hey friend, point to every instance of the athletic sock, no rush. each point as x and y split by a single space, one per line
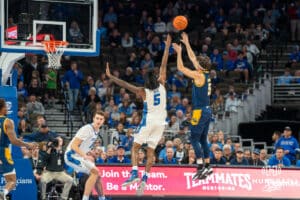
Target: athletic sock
85 197
206 165
134 167
199 161
5 192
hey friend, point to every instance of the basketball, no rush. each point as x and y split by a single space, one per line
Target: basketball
180 22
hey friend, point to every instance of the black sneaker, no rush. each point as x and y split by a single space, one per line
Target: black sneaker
198 173
205 173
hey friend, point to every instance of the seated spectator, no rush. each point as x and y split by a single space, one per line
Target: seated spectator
115 38
35 89
286 78
23 128
173 92
169 157
190 158
120 157
295 55
109 107
173 124
129 75
44 134
37 164
141 157
239 159
127 40
155 48
218 158
231 52
227 154
216 60
215 80
212 29
160 146
232 103
114 116
218 103
75 34
127 141
125 107
163 152
34 108
159 26
228 64
279 159
104 90
148 25
110 152
215 140
289 144
248 56
255 161
86 88
147 62
140 40
241 65
118 134
22 91
263 156
236 45
179 80
110 16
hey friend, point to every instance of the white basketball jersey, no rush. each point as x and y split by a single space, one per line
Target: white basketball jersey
88 136
155 103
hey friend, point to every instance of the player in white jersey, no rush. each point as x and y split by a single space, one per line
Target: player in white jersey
77 158
152 124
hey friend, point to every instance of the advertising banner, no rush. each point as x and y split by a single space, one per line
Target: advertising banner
224 182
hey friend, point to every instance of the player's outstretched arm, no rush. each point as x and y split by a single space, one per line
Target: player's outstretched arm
187 72
191 54
11 134
75 147
163 67
128 86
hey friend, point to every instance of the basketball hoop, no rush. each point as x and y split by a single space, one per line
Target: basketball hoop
54 49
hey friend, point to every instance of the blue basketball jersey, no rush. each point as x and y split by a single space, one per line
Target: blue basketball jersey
201 94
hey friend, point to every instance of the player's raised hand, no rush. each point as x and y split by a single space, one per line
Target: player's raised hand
177 47
185 38
108 74
168 40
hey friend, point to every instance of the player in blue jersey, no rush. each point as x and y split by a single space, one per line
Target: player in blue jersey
7 136
152 125
201 115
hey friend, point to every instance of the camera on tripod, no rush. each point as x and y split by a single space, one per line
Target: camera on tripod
53 143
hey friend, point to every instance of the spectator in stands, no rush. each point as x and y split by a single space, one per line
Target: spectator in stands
103 90
212 29
173 124
182 134
286 78
155 48
160 146
125 107
279 159
37 164
215 140
215 80
109 107
169 157
148 25
241 65
51 87
120 157
141 157
263 156
218 103
255 161
127 40
232 103
247 55
218 158
114 116
34 108
297 75
54 169
22 91
163 152
228 64
89 105
236 45
190 158
29 68
227 154
127 141
115 38
72 80
239 159
231 52
179 152
216 59
44 134
140 40
275 137
23 128
75 34
179 80
129 75
173 92
34 88
294 57
86 88
159 25
110 152
110 16
289 144
293 14
147 62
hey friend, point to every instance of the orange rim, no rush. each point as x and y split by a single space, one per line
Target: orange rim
50 46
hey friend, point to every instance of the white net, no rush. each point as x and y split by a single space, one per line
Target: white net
54 50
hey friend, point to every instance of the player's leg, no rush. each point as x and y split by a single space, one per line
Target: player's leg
99 188
90 183
139 139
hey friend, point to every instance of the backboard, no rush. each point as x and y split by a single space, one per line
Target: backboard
26 23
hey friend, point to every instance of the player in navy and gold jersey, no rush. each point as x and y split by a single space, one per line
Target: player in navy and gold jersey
201 114
7 136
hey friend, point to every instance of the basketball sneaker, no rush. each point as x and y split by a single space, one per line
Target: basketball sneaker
203 173
134 177
141 187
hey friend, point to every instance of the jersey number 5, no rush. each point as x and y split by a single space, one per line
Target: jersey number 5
156 99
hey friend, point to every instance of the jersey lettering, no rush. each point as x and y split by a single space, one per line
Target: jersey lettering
156 99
